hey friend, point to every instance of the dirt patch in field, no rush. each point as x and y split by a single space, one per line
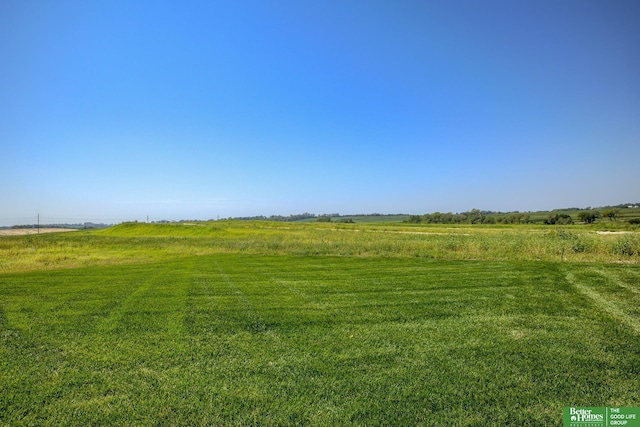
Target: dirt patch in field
614 232
22 231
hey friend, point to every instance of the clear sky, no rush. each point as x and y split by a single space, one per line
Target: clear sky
115 110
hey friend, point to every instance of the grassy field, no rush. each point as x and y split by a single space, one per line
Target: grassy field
259 323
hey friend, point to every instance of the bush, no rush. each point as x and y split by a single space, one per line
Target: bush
589 217
414 219
559 219
627 246
579 246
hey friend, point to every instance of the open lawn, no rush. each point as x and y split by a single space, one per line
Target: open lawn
306 324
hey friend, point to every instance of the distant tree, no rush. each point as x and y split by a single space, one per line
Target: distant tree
589 217
514 218
414 219
442 218
487 219
612 214
558 219
324 218
474 216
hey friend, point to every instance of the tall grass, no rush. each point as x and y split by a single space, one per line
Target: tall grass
137 243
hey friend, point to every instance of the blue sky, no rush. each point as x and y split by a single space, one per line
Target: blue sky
113 111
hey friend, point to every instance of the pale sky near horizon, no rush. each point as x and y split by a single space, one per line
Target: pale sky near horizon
115 110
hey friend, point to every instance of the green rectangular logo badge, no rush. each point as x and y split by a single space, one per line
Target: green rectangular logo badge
587 416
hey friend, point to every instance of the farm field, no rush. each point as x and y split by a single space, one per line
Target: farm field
23 231
260 323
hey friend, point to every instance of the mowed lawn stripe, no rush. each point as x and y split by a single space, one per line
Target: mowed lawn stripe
623 278
290 300
216 304
122 317
609 294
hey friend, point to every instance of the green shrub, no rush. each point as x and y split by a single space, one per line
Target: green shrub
559 219
627 246
346 221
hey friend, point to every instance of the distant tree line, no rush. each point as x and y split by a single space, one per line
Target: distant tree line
474 216
563 216
289 218
589 208
332 217
556 217
329 218
586 216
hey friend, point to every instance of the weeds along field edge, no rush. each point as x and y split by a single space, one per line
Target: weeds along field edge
141 243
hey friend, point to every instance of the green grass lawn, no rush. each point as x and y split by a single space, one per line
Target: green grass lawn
195 331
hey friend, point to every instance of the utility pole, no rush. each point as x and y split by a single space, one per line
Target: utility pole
38 223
